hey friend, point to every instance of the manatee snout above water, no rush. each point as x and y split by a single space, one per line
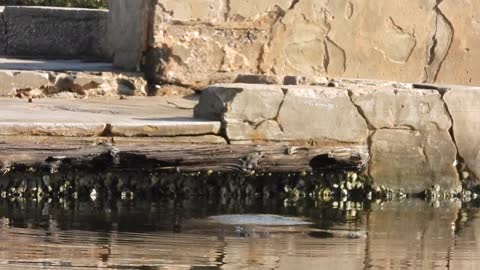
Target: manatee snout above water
265 220
269 225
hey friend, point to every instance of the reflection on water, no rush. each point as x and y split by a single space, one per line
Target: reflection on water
410 234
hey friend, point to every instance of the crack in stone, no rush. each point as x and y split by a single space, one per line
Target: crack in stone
371 132
285 92
165 10
435 58
327 58
275 118
451 132
326 41
360 111
280 15
228 8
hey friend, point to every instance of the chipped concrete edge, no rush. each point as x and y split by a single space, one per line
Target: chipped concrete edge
40 84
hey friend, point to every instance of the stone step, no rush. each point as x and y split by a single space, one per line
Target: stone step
133 117
407 127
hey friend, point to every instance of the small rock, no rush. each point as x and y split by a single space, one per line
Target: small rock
65 82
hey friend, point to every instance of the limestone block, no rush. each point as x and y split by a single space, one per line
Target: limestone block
249 103
464 106
321 113
461 60
337 37
392 107
279 113
11 80
382 40
240 132
413 160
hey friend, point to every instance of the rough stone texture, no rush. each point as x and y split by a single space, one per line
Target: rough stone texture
405 40
411 146
55 32
413 160
203 139
272 113
12 80
464 106
245 102
42 84
165 128
461 63
321 113
191 55
127 28
52 129
393 107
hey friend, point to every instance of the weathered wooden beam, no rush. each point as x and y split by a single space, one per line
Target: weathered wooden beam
57 153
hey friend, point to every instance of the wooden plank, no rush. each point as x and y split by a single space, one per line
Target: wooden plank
149 155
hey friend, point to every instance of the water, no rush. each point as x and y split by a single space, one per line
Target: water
411 234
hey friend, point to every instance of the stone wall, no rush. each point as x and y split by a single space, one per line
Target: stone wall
197 42
128 31
46 32
419 135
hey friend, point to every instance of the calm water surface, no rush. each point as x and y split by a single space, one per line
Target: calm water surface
411 234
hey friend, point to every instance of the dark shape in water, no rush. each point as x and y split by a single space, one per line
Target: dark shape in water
265 220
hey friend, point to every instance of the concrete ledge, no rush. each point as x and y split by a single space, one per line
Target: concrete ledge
54 32
165 128
52 129
112 117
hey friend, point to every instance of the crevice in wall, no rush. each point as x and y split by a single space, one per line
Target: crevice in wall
275 118
326 56
285 92
227 9
441 43
340 54
460 165
330 48
360 111
278 19
371 132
